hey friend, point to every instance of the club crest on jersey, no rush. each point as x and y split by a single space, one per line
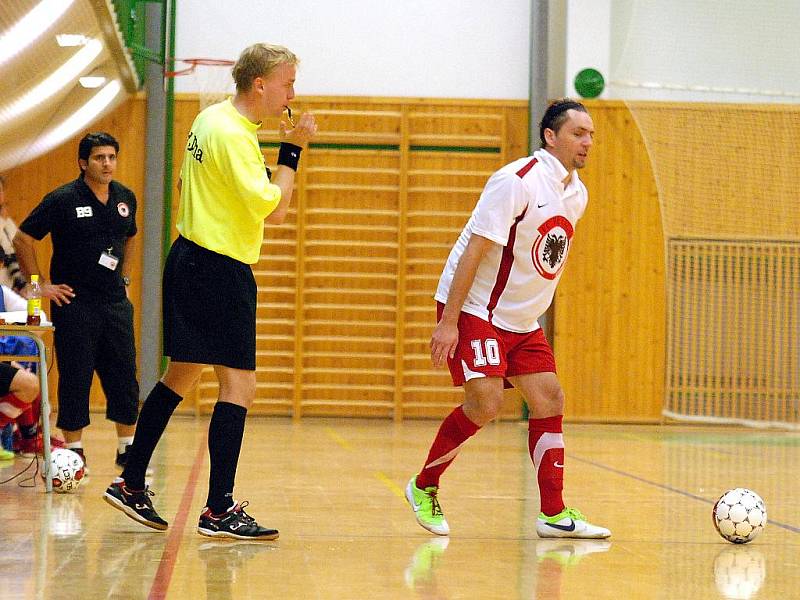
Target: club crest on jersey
123 209
550 249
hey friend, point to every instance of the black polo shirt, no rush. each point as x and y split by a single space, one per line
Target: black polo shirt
81 229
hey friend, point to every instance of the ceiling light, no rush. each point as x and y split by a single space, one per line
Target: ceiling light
25 31
94 80
71 39
80 118
56 81
73 124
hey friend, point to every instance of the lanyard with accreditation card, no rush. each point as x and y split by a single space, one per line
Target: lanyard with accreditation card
108 260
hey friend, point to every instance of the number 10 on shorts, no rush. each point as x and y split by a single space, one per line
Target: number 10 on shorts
491 354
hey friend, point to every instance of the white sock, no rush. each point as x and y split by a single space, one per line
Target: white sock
73 445
123 442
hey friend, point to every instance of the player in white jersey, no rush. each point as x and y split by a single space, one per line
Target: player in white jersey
499 279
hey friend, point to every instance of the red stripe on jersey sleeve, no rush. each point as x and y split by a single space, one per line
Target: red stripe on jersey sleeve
524 170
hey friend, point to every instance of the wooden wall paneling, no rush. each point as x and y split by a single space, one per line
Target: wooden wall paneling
456 150
299 298
351 262
742 215
504 142
440 202
276 317
610 319
518 142
456 129
276 274
367 259
402 258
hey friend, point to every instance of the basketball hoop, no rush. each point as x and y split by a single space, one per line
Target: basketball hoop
209 78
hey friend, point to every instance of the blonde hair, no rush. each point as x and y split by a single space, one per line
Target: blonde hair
259 60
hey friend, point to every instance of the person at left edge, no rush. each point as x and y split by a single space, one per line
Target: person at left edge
21 433
92 223
13 283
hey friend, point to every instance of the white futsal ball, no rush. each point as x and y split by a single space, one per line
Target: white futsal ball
740 515
66 467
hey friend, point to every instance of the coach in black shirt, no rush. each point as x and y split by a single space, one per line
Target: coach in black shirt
91 221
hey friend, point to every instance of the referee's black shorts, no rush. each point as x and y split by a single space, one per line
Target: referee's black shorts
209 304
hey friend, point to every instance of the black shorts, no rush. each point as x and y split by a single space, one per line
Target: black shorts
209 304
7 373
95 336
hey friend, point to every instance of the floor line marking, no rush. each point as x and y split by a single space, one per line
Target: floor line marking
160 586
388 482
343 443
379 475
669 488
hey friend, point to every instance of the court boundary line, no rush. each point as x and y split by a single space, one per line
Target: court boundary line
166 565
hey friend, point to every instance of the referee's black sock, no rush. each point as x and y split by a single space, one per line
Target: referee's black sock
225 435
153 419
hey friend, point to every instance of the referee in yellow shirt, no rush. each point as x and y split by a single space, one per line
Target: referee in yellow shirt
209 293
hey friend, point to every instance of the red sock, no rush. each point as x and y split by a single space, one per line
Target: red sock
546 447
453 432
12 407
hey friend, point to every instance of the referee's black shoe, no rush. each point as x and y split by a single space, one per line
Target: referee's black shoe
134 503
235 523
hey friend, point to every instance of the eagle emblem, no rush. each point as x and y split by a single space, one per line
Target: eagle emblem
554 246
549 252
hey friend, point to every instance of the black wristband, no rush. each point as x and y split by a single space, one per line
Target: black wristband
289 155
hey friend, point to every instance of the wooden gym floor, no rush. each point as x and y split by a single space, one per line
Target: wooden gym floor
333 487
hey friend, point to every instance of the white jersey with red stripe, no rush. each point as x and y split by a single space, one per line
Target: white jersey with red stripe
526 209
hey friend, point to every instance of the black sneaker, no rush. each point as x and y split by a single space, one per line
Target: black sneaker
235 524
135 504
122 457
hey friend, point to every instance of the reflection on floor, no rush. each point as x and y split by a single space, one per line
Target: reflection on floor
334 490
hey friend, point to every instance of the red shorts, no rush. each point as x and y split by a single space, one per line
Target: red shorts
487 351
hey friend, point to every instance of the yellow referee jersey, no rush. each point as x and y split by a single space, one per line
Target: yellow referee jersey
225 191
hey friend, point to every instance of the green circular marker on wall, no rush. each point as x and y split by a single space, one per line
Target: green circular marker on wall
589 83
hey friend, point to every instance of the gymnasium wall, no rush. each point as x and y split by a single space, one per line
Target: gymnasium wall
679 50
345 288
444 49
610 304
388 184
